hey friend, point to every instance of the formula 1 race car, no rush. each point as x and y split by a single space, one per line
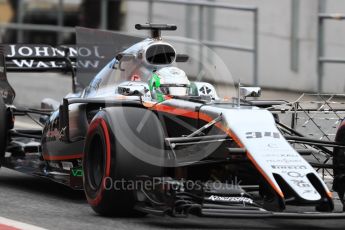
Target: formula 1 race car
143 137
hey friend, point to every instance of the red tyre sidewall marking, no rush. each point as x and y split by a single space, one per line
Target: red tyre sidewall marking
7 227
95 201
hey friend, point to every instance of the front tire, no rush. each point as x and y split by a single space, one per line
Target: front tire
339 164
108 161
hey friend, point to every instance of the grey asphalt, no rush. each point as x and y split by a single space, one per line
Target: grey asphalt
53 206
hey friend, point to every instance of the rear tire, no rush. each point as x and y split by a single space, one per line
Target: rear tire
106 160
3 129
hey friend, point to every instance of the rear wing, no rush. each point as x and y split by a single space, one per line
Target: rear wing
34 58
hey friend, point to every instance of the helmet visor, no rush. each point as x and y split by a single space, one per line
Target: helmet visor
174 90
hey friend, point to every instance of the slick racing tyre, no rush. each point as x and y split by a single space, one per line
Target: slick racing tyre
110 166
339 163
3 129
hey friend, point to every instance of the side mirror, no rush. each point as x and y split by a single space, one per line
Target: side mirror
182 58
124 57
250 92
132 90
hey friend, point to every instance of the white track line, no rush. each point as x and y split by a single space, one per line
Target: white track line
18 225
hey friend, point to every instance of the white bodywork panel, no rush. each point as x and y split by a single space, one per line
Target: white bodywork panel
256 130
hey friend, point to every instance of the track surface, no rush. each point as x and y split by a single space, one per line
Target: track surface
49 205
53 206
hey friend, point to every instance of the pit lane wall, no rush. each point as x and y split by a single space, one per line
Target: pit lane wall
274 39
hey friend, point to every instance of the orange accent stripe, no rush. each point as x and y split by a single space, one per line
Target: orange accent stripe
148 104
176 111
63 157
329 194
207 118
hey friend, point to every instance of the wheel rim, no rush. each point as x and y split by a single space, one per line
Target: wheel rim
96 162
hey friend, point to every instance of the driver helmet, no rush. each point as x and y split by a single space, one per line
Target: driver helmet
168 82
